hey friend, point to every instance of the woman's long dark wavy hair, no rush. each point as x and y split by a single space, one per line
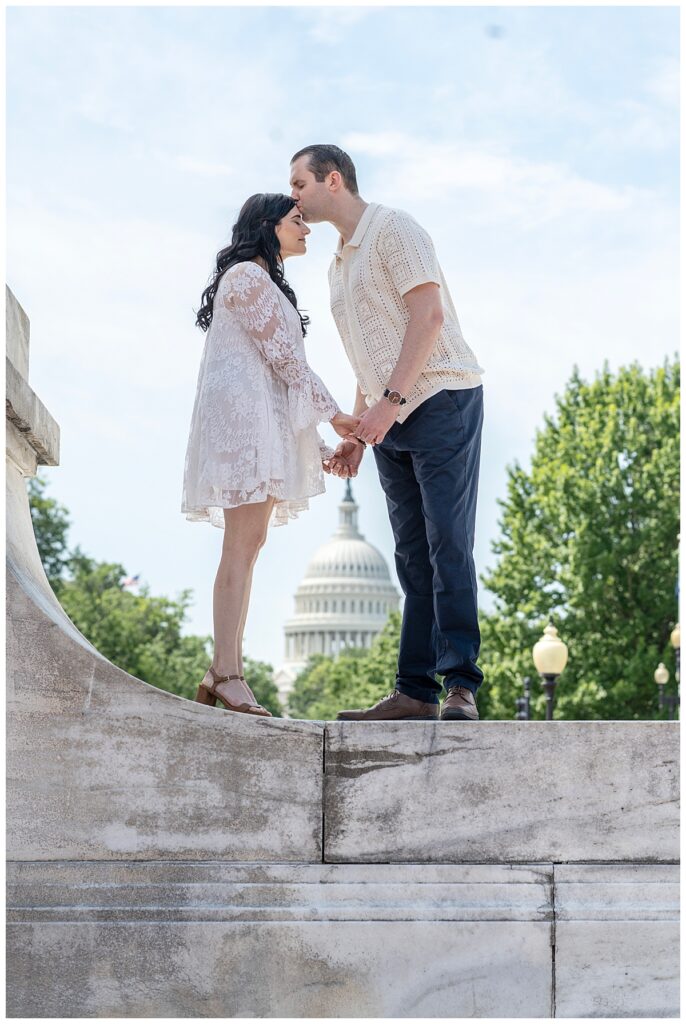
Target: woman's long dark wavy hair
253 235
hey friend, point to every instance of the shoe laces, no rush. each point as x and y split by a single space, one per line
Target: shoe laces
458 687
393 695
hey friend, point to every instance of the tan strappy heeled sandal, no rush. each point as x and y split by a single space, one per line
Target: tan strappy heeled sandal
210 695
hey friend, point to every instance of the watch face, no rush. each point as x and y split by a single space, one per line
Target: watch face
394 397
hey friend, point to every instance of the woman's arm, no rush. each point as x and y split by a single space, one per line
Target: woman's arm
254 299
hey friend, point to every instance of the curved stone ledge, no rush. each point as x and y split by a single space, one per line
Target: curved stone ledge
102 765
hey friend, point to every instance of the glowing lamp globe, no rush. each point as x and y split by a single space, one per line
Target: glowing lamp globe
550 653
661 675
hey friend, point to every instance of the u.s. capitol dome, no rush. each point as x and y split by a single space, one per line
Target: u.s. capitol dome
343 601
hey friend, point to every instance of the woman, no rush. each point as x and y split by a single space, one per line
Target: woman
254 455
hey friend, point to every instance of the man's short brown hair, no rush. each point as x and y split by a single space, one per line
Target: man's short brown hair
322 160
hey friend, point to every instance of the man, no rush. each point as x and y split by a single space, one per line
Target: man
420 402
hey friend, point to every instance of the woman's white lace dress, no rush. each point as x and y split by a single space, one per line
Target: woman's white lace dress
257 404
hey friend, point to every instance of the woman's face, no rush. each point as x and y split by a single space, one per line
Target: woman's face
291 231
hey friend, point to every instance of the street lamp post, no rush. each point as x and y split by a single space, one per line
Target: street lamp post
523 703
675 640
661 677
668 700
550 657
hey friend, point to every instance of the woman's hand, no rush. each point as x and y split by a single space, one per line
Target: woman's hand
345 461
344 424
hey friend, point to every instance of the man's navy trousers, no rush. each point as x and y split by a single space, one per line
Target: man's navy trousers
429 470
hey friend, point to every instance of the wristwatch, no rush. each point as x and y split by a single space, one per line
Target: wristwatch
394 397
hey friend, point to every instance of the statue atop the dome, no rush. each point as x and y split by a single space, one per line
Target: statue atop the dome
347 523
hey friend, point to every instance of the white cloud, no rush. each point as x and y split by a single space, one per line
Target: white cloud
506 187
663 82
204 168
329 24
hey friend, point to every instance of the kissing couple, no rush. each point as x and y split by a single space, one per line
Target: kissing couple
254 454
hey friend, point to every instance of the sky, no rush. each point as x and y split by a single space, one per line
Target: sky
537 145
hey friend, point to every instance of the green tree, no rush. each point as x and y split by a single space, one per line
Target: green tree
357 678
137 632
51 526
589 539
307 687
259 676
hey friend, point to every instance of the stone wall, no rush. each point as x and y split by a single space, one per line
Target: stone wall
170 859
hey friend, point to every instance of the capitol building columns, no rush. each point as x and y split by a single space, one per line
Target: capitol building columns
343 600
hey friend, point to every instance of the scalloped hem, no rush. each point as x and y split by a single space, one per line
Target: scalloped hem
284 508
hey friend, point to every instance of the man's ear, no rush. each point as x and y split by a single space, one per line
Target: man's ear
335 181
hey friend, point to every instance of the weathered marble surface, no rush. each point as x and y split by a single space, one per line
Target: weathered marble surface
617 969
212 939
617 940
617 892
101 765
190 938
370 969
218 890
501 791
28 414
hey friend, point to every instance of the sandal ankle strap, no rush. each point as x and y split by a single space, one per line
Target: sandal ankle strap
222 679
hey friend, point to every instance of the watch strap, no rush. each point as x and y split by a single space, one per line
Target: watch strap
388 391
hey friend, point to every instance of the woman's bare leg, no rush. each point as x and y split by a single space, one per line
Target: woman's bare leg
239 651
245 531
241 628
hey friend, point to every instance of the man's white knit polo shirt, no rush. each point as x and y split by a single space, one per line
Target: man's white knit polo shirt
388 255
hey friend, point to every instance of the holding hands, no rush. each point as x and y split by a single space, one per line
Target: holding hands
343 424
375 423
346 460
370 428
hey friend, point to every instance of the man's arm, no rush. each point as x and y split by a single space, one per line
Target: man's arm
360 405
426 319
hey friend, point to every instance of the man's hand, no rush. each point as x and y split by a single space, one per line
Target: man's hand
346 460
376 421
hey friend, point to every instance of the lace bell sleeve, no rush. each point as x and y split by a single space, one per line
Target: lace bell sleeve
253 298
324 450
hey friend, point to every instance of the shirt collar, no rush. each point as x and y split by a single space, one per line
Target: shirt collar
359 231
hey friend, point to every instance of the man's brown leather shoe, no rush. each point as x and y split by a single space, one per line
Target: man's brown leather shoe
459 705
395 707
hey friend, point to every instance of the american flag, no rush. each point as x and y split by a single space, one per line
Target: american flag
131 581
